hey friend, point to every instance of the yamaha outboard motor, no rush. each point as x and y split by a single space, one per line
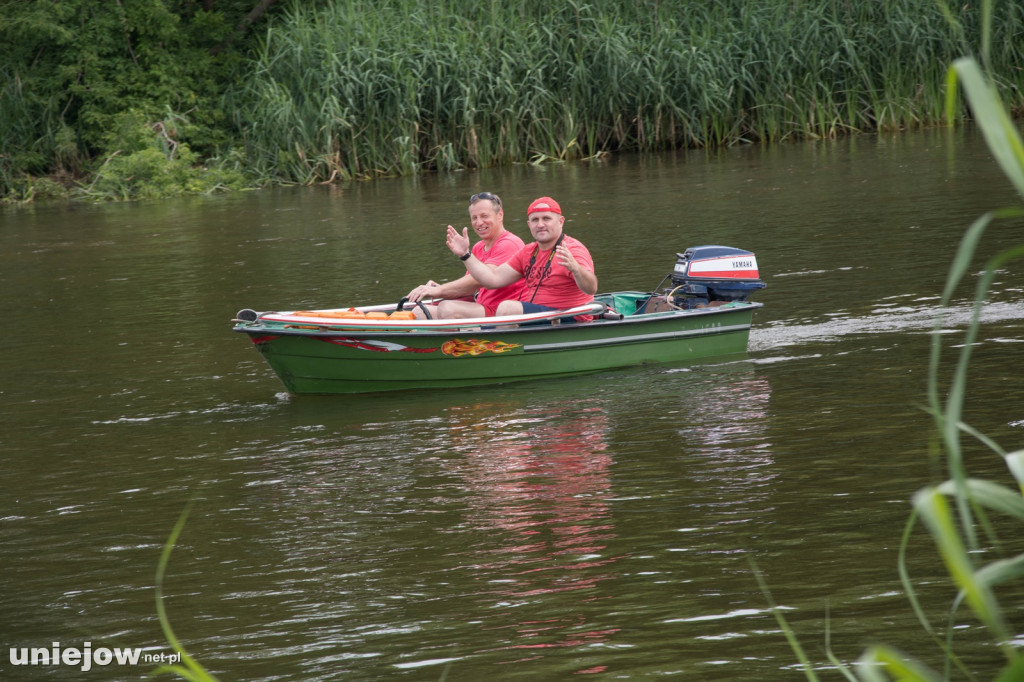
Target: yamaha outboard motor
704 275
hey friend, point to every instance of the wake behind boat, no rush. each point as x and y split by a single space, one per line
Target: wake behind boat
702 312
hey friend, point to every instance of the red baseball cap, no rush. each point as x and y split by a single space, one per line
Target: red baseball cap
544 204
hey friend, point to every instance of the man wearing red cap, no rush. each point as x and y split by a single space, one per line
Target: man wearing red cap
557 269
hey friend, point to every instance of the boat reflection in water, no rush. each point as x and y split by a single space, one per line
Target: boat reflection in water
543 514
539 488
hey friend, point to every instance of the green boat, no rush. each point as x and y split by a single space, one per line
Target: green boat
704 312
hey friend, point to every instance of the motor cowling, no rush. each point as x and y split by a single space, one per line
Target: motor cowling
704 275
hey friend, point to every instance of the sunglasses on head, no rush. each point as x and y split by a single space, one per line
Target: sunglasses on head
485 195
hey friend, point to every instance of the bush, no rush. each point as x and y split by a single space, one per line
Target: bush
146 160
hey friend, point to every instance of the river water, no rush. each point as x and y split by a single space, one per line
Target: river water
602 525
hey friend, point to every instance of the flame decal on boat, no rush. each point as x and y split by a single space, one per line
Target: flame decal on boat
454 347
458 347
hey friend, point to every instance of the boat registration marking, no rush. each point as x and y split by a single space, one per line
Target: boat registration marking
634 338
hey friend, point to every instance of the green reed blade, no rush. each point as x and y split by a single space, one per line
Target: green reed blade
1001 571
932 508
991 495
1015 463
885 664
998 128
192 669
794 643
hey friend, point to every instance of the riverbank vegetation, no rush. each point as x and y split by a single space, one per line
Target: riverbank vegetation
159 97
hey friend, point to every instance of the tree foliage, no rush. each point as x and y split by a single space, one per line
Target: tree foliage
75 67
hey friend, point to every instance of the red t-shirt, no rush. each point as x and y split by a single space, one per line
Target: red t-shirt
506 246
557 287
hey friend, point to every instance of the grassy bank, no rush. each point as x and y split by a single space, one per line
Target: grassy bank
326 90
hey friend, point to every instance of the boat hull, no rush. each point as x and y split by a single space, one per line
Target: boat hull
333 360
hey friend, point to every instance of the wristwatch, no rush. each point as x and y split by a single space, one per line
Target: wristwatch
466 255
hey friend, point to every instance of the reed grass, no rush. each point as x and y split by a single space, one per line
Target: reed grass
26 149
396 87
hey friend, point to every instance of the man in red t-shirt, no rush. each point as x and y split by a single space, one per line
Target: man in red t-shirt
465 297
557 270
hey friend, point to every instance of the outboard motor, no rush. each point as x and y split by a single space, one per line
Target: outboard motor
705 274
